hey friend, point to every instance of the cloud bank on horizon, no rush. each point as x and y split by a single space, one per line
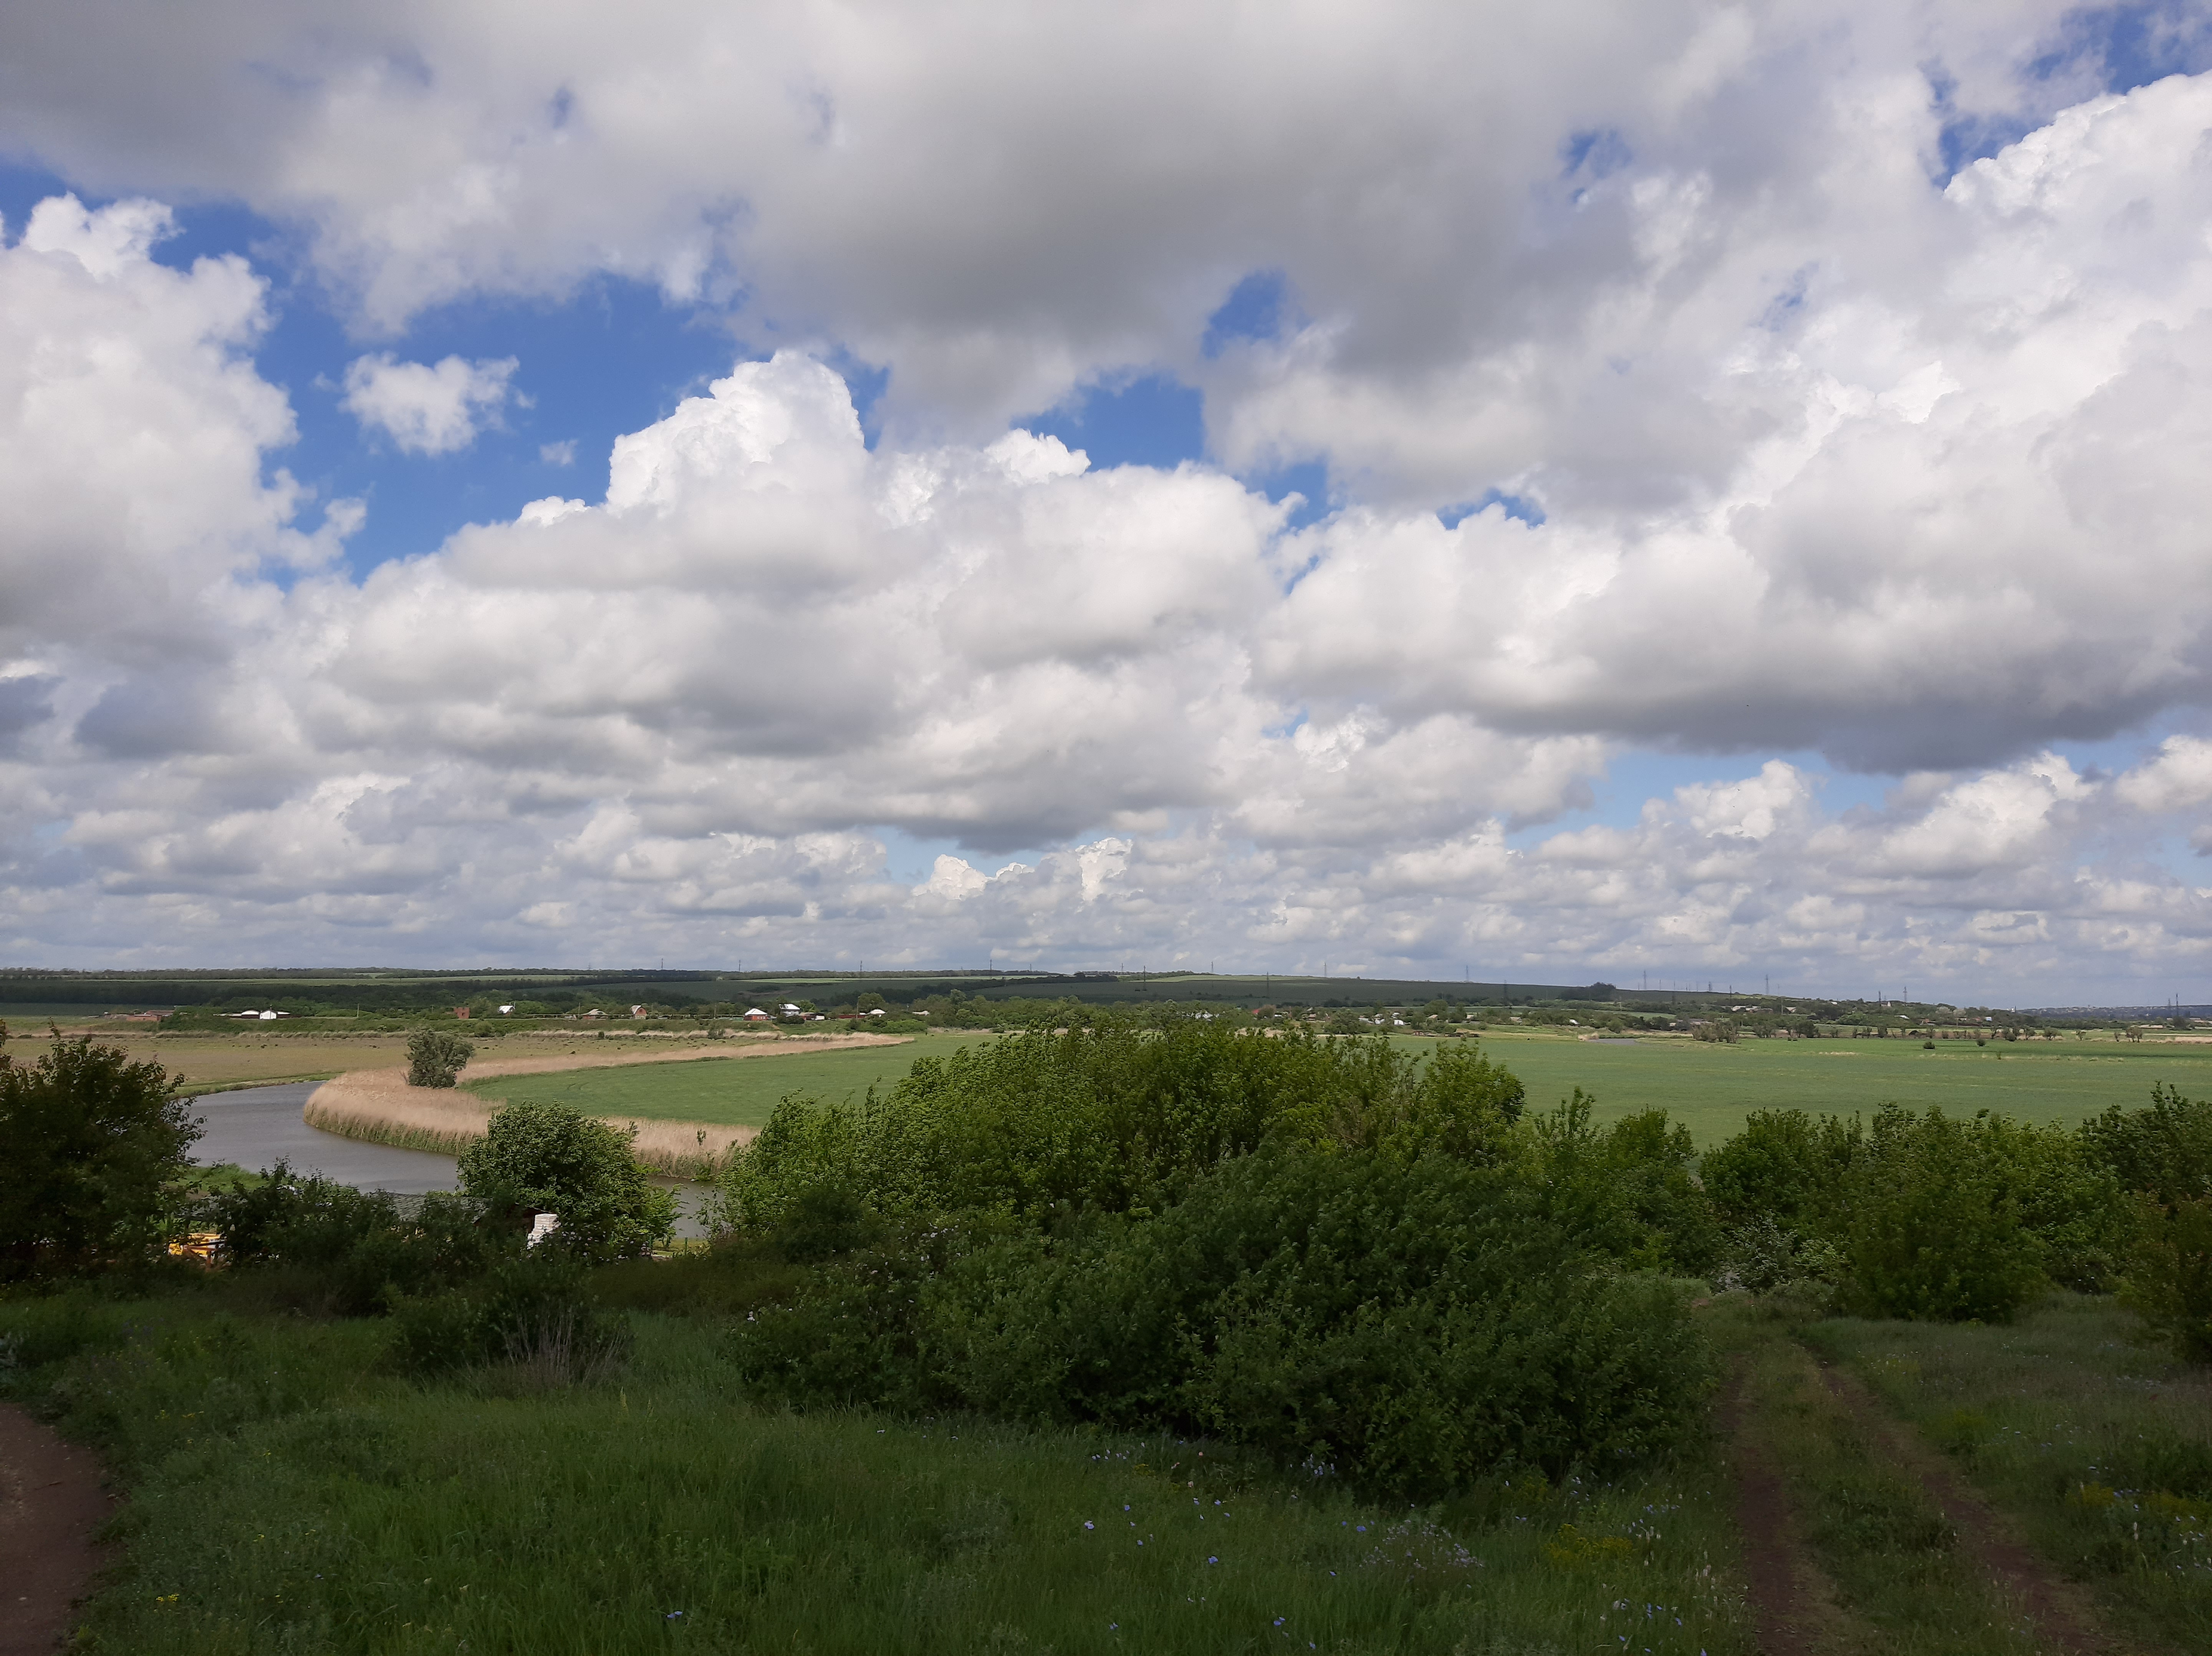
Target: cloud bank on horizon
1756 397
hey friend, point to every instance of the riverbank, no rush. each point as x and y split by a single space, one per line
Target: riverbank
377 1106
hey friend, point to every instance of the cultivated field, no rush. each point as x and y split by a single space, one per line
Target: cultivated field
732 1092
211 1063
1710 1088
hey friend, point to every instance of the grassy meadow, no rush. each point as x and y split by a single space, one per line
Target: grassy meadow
726 1092
288 1495
1709 1088
289 1492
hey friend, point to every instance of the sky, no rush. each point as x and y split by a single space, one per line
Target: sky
1666 492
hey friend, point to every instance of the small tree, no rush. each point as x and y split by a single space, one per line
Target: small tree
545 1158
93 1148
435 1057
1935 1226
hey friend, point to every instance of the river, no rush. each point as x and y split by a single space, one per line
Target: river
257 1126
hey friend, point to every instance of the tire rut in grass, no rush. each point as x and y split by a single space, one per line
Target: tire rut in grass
2055 1611
51 1507
1776 1570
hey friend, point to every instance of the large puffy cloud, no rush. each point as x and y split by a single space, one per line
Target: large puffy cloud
1001 204
1941 549
132 432
1835 453
671 722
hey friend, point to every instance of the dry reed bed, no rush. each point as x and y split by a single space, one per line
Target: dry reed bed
378 1106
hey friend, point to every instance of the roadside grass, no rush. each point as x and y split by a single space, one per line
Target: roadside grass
1887 1572
288 1494
723 1092
2098 1447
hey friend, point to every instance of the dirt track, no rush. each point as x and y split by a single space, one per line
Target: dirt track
2024 1581
52 1506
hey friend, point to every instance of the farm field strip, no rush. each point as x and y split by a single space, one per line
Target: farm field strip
720 1092
1709 1088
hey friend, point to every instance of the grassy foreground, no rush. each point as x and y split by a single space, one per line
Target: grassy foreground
288 1496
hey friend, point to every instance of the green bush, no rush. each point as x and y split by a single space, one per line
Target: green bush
2169 1273
353 1251
95 1151
1626 1188
2164 1151
435 1057
1785 1166
2163 1155
529 1313
1039 1122
547 1158
1935 1228
1411 1323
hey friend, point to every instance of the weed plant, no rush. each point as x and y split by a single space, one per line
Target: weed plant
291 1493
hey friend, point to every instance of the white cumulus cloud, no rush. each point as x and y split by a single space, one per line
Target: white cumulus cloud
427 408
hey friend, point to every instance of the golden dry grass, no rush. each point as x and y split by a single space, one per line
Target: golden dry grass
378 1106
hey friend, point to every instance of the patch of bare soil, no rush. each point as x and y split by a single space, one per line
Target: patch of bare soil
52 1506
1773 1564
2055 1612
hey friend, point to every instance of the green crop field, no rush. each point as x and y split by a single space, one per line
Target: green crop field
1711 1087
728 1091
1707 1087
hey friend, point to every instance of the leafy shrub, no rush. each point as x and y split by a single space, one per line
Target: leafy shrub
1766 1255
547 1158
2169 1273
1785 1166
823 1221
1936 1228
435 1057
353 1250
1413 1322
1040 1123
2164 1151
529 1313
1625 1189
2163 1156
95 1150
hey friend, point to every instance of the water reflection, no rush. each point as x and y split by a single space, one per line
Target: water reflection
258 1126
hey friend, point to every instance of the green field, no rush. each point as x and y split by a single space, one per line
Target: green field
1707 1087
1711 1087
728 1091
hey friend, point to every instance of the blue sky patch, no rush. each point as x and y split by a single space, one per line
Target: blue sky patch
1254 310
1156 420
1518 506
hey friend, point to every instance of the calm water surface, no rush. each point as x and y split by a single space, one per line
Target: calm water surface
257 1126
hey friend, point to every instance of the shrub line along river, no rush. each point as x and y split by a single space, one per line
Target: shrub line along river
257 1126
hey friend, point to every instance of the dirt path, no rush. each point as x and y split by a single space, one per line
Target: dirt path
2055 1612
50 1506
1773 1564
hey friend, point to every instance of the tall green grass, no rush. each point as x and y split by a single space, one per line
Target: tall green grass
288 1495
2099 1447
